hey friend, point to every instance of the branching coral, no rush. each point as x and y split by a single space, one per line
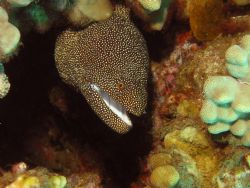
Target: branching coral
227 104
238 57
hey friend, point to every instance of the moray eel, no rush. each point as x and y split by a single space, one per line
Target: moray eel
108 63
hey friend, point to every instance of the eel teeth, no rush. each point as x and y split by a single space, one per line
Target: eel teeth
114 106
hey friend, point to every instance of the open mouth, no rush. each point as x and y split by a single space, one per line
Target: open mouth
114 106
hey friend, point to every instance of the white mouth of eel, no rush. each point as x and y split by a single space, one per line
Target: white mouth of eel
114 106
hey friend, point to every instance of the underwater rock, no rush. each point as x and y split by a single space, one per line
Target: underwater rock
19 168
85 180
233 170
205 18
56 151
159 159
188 108
241 2
182 13
208 60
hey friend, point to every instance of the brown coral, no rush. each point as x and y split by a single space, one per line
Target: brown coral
205 18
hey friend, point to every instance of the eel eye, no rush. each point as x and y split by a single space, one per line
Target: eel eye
120 86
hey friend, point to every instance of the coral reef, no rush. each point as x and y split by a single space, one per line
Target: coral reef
227 100
237 57
181 139
37 177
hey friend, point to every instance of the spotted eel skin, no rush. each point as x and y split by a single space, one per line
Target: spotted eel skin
108 63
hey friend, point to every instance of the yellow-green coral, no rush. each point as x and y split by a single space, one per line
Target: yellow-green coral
241 2
159 159
4 85
84 11
164 177
9 35
237 59
57 181
151 5
25 182
19 3
205 17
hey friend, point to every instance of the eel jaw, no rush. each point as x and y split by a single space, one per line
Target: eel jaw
114 106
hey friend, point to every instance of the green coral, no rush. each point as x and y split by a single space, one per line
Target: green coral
25 182
151 5
237 58
38 14
227 107
57 181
